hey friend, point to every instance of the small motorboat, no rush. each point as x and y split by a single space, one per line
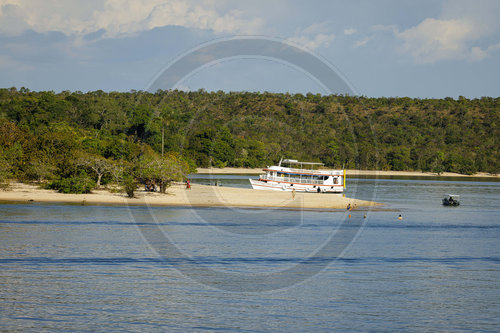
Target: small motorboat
451 200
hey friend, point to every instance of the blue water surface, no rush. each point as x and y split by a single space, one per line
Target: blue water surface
178 269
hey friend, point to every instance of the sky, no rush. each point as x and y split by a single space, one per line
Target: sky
423 49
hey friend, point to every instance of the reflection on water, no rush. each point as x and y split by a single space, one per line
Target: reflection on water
80 268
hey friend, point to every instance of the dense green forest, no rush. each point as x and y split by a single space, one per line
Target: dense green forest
105 137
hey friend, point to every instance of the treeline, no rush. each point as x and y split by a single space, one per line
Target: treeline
44 135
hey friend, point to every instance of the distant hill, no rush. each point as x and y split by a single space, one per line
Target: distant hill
244 129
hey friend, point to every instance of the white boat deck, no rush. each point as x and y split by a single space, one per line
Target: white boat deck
281 178
296 180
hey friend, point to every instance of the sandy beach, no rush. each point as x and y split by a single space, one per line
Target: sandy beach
211 196
197 196
258 171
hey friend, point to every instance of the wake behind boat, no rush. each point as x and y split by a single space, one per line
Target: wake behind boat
280 178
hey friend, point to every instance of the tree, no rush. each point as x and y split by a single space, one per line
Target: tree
119 170
161 171
4 172
98 164
40 169
214 147
248 129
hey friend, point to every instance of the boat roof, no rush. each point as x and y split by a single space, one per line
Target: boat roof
293 171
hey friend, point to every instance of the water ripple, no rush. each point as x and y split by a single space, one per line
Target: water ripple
264 224
248 260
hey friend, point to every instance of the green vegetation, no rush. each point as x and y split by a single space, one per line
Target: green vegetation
75 183
129 186
71 137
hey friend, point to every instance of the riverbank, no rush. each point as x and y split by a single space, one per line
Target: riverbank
350 173
197 196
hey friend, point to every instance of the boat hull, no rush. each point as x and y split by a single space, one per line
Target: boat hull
286 186
451 203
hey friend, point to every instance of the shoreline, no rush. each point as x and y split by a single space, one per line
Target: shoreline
178 195
350 173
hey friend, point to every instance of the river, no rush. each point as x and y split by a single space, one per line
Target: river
178 269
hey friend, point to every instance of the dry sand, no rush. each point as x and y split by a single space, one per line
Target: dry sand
178 195
202 195
258 171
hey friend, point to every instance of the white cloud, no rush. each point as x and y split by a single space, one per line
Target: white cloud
483 13
11 21
313 36
349 31
362 42
69 16
460 32
316 28
476 54
119 17
434 40
312 43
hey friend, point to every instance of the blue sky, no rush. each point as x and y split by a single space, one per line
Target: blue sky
384 48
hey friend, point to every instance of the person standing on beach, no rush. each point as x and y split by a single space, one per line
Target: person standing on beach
293 194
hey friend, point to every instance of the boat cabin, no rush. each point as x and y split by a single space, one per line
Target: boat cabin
291 175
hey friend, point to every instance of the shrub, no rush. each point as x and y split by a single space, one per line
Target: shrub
129 186
80 183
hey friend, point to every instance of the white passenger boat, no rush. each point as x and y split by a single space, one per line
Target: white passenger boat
281 178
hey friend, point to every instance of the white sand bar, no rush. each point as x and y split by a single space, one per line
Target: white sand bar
197 196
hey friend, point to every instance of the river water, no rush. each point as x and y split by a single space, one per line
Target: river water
178 269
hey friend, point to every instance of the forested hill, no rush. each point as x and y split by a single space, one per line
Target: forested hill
245 129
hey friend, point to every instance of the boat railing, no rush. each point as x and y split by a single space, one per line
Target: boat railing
293 180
